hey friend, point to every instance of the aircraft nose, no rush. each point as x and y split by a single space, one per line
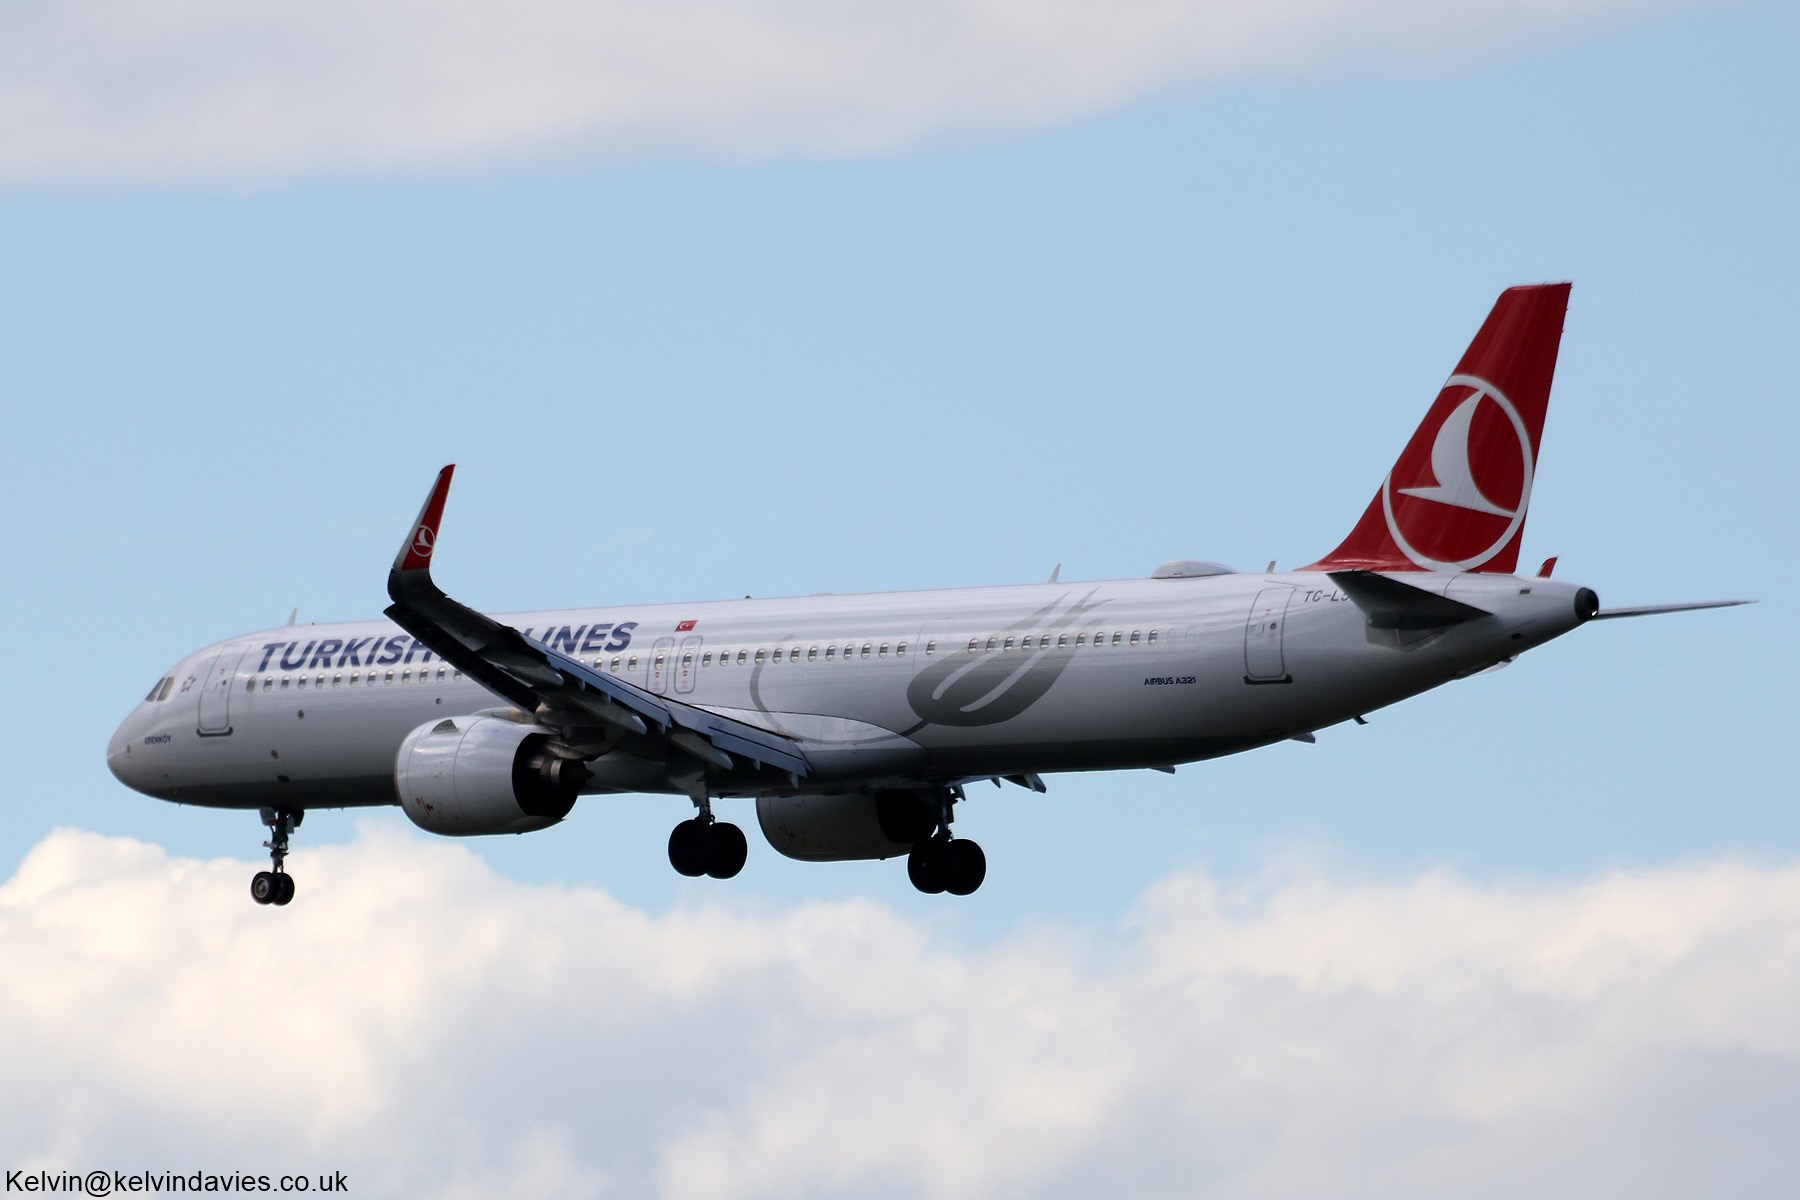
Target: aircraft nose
118 752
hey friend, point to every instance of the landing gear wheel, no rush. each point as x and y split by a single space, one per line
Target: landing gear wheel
963 867
690 846
924 866
942 865
276 886
728 850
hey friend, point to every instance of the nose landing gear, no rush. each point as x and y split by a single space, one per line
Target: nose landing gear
276 886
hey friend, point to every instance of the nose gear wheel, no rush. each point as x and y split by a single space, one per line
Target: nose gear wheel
276 886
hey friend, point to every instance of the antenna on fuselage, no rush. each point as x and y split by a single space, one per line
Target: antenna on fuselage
293 614
1055 571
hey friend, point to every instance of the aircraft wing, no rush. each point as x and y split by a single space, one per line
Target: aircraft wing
561 692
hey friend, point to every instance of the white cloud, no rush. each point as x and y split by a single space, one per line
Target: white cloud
432 1029
181 89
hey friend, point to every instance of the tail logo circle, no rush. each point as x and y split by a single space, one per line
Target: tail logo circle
1457 496
422 541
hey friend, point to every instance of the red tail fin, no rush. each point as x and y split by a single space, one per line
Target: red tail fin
1455 499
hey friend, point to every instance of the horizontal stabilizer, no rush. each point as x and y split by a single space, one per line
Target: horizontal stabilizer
1395 605
1651 610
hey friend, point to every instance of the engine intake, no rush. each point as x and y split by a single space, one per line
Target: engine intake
464 776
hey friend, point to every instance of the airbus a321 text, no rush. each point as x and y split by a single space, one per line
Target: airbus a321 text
856 722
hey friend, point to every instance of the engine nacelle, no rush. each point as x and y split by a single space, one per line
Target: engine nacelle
835 826
471 775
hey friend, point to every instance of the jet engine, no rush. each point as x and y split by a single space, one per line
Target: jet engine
470 775
835 826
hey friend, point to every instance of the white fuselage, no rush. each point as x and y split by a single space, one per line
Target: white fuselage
897 687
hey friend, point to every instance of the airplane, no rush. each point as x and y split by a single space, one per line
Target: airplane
857 722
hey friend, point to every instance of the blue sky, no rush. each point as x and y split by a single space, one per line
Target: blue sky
1191 311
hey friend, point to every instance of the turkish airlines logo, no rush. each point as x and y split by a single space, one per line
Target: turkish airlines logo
422 541
1457 496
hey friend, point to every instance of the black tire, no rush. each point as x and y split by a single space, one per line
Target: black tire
729 850
689 847
964 866
284 890
263 888
925 867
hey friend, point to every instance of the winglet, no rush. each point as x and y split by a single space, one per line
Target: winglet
415 552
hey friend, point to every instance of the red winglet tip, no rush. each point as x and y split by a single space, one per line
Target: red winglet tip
1549 566
417 556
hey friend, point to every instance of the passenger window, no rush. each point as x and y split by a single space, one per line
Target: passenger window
1134 637
337 677
759 656
284 683
268 683
355 676
319 680
687 660
866 648
1152 638
388 678
882 653
812 652
930 647
1062 639
631 663
615 664
974 643
1116 636
992 642
1007 644
830 653
900 650
706 659
406 675
743 657
249 685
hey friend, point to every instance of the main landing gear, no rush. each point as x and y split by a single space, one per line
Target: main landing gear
706 846
945 864
276 886
942 863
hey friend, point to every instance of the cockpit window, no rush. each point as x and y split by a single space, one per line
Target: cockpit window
160 690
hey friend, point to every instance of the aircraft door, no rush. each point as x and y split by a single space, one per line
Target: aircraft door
687 663
660 666
215 692
1262 637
